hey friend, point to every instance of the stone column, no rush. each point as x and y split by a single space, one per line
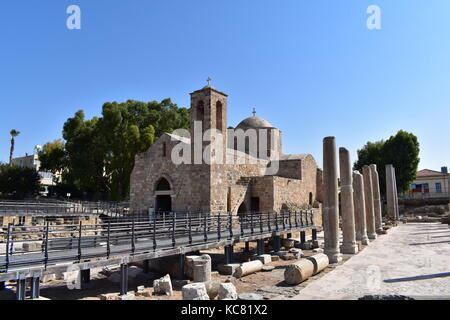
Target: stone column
368 195
376 199
394 178
360 209
390 191
330 201
347 207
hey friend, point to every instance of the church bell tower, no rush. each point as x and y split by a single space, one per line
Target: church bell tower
208 124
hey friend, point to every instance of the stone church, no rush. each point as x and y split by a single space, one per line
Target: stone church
243 185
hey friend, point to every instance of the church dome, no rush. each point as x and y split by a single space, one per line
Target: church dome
254 122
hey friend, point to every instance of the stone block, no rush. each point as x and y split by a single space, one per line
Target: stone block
265 258
163 286
267 268
275 258
212 288
109 296
320 262
202 269
298 272
195 291
318 250
227 291
250 296
189 266
248 268
128 296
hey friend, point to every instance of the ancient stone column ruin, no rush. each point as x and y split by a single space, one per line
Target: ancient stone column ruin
391 192
368 195
394 177
376 198
330 201
360 208
347 207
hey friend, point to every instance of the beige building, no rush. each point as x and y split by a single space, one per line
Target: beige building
254 176
431 184
32 161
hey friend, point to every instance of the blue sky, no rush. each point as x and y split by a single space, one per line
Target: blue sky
312 68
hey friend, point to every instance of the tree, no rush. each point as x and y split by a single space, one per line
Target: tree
19 182
14 133
53 157
97 157
401 150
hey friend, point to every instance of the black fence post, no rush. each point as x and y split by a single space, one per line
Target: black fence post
154 232
79 241
205 234
108 240
218 227
290 222
190 229
241 223
302 236
173 231
283 217
296 219
261 223
269 227
46 244
133 245
314 234
251 223
7 246
230 225
301 218
182 264
276 221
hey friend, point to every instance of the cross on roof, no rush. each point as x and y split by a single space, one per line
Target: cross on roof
209 81
254 112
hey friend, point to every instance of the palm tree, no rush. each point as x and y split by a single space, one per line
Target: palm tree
14 133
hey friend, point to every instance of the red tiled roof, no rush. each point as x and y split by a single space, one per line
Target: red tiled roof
429 173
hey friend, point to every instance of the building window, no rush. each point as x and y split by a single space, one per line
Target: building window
164 147
219 115
438 187
426 188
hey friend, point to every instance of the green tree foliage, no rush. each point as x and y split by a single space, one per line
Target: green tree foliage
18 182
401 150
98 155
53 157
14 133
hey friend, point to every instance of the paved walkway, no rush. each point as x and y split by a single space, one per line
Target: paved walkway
411 260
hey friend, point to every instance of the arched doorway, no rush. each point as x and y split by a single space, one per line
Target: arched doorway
163 196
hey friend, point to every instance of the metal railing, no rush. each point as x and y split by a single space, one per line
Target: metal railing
134 234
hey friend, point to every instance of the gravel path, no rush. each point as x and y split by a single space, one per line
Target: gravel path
411 260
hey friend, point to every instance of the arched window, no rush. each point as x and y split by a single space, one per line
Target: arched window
200 114
219 116
163 185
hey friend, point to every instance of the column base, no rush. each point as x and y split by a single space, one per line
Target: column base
380 231
333 256
364 240
349 248
372 236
